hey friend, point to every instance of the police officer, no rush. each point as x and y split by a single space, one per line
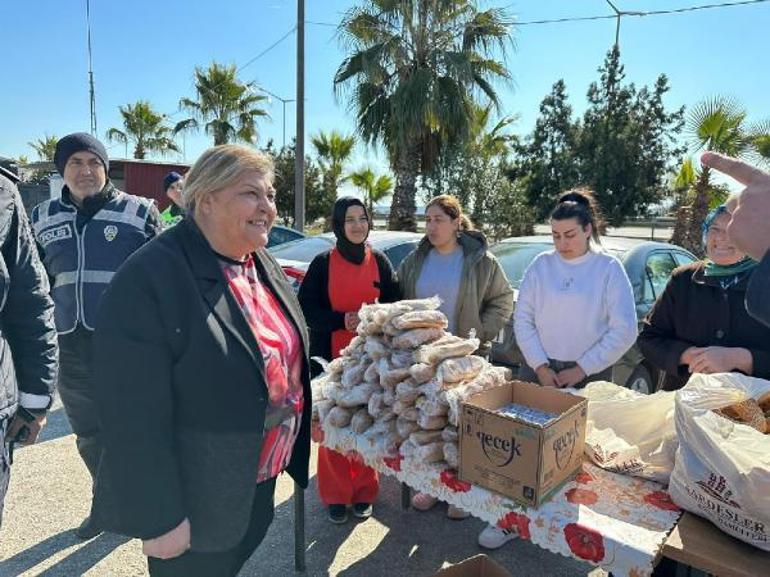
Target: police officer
28 350
83 238
172 185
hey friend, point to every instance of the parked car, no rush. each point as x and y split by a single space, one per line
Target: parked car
294 257
648 265
282 234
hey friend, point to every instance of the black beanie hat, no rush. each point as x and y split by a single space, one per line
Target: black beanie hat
354 253
78 142
170 179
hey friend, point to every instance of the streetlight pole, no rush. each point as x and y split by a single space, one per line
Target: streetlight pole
299 166
284 101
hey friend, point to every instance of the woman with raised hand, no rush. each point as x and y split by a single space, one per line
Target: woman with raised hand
337 283
699 323
204 388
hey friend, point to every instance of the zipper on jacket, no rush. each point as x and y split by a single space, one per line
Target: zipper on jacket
79 312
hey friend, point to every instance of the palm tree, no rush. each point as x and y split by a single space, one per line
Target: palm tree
333 150
375 188
229 107
414 69
146 128
717 124
45 147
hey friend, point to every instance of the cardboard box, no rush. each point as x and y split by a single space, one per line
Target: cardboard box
478 566
522 461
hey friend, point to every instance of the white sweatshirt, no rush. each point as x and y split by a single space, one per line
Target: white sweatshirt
575 310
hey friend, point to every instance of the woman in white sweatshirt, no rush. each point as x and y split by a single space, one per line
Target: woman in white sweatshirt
575 315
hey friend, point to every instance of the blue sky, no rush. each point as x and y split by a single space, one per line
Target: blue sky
148 50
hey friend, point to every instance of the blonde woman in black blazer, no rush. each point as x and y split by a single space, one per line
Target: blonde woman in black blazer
191 395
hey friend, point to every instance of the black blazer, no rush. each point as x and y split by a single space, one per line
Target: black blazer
182 394
694 310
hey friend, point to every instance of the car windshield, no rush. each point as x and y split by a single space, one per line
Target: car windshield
302 250
515 258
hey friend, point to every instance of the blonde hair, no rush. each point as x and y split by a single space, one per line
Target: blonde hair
450 206
220 167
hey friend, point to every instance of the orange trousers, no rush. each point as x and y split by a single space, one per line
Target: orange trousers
345 481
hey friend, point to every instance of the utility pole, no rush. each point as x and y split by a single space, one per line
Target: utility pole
299 164
619 14
92 92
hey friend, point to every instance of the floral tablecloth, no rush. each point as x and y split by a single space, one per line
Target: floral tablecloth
613 521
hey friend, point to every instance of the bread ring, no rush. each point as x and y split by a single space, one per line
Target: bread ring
764 403
746 413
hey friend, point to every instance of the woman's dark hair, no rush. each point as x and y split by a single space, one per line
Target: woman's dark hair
581 205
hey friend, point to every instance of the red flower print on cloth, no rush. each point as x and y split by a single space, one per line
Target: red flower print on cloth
516 522
584 542
449 478
584 477
394 462
579 496
661 500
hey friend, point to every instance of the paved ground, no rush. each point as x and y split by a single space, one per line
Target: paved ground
47 499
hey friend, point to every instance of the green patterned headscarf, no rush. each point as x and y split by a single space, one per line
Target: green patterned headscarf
713 269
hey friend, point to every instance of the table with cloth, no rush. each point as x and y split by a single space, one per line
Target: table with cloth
616 522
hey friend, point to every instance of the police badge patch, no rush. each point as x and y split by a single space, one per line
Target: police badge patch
110 232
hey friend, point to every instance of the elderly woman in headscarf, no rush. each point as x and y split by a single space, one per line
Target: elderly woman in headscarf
699 324
337 283
204 389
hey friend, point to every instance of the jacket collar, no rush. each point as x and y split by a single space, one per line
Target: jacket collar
213 286
92 204
473 243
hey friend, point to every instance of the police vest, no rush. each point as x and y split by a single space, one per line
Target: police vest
81 264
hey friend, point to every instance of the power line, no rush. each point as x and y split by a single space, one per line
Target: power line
638 13
268 49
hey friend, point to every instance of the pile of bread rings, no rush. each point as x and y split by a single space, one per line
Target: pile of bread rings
752 412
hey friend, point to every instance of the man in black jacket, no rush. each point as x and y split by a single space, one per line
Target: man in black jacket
83 238
28 349
750 227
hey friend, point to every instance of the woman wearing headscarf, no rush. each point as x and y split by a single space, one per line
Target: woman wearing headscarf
699 323
204 390
337 283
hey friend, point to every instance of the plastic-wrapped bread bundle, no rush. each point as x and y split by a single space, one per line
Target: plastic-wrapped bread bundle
420 319
357 396
406 427
389 396
407 392
331 391
372 374
431 453
413 338
422 373
354 375
490 377
338 417
432 406
376 348
425 437
399 407
410 414
361 421
402 359
392 377
450 434
452 454
460 369
375 405
334 370
355 346
430 423
434 353
321 409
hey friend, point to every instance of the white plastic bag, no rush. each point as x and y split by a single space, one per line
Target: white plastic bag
630 433
722 469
